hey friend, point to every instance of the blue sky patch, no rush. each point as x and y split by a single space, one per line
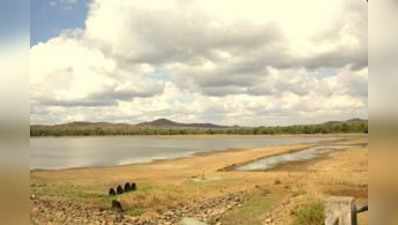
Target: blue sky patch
50 17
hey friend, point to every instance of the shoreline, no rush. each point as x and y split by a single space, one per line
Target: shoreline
290 148
206 135
232 168
293 163
188 156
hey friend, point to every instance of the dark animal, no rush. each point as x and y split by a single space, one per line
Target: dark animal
116 205
133 186
112 192
119 190
127 187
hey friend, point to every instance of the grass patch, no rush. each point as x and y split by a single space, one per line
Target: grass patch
73 193
312 213
253 211
135 211
66 191
150 198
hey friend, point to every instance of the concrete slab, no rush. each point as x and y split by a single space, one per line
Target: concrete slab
340 211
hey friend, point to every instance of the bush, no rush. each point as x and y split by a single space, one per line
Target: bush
310 214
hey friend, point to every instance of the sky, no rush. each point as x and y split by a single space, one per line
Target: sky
251 63
49 18
14 18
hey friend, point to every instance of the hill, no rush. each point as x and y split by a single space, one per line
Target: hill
165 123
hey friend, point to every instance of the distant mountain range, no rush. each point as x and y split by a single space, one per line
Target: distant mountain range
159 123
166 123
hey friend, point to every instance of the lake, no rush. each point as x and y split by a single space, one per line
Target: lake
74 152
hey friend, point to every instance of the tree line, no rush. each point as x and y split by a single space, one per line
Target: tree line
327 128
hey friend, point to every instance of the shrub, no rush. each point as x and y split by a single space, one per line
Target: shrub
310 214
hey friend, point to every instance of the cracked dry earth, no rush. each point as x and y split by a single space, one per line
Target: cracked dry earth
66 212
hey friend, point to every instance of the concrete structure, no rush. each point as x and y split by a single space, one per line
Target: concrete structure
340 211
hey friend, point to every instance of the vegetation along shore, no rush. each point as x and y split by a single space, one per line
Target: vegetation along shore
168 127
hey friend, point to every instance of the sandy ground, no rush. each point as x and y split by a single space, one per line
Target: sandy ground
198 187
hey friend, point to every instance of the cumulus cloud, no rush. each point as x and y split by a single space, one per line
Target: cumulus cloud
66 71
219 61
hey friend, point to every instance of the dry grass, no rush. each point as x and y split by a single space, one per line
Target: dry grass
253 211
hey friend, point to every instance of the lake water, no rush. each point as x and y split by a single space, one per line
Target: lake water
72 152
274 161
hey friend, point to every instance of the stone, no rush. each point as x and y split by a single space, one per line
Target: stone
191 221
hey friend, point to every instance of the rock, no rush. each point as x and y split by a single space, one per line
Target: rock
190 221
268 221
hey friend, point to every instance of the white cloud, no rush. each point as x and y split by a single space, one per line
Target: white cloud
67 71
250 62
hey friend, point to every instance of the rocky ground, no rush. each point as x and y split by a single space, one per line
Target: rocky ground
67 212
